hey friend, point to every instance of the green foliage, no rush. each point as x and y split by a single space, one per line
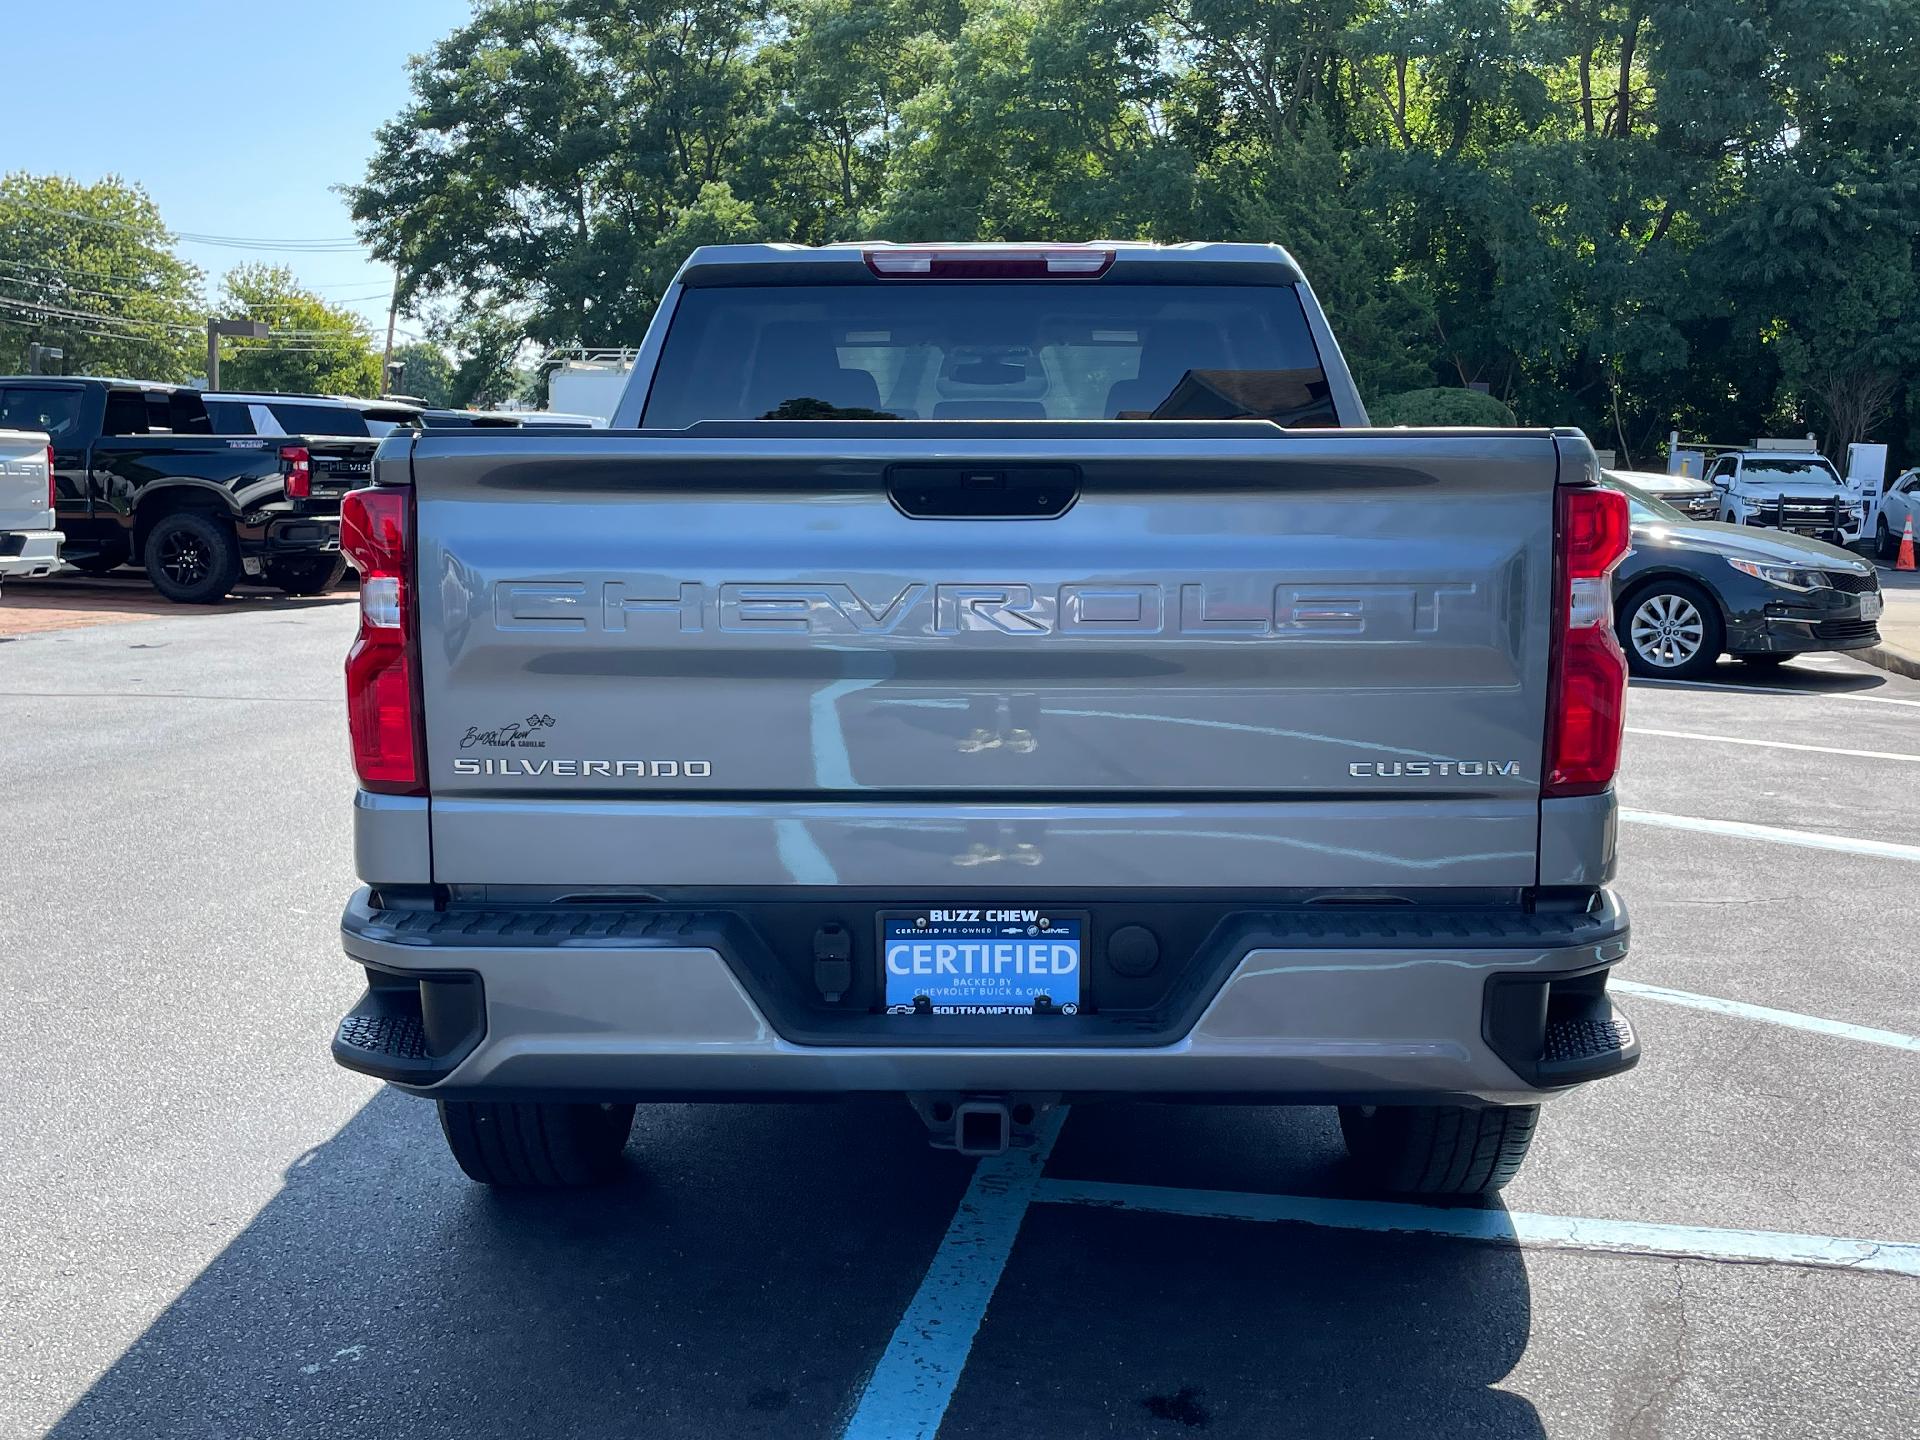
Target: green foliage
313 346
429 373
486 344
1439 406
1628 215
90 269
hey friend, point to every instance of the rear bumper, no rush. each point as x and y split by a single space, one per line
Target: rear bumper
27 554
1497 1007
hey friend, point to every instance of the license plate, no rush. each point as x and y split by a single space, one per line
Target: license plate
1870 607
982 960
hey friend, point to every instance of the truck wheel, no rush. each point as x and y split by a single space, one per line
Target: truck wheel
305 574
192 558
536 1146
1438 1149
1671 628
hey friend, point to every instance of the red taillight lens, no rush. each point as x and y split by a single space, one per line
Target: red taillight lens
383 714
1002 262
53 489
296 465
1587 696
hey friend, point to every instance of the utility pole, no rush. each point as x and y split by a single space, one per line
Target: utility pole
252 329
393 309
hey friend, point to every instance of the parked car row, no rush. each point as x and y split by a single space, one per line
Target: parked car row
198 489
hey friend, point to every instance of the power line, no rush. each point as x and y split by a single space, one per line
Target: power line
68 287
90 317
238 242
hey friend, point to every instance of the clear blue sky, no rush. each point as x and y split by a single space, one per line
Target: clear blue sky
236 115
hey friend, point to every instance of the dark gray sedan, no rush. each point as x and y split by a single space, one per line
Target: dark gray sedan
1690 591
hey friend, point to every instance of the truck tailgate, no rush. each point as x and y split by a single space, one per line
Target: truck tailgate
23 481
729 656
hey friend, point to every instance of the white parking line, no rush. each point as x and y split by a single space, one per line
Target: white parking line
1716 689
1558 1232
1793 1019
1773 744
1774 834
907 1394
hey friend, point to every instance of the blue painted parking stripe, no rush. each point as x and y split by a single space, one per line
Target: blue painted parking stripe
907 1394
1793 1019
1559 1232
1774 834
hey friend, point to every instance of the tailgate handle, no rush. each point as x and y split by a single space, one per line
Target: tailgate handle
982 492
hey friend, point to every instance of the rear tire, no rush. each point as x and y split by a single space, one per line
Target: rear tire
528 1146
192 558
1443 1150
305 574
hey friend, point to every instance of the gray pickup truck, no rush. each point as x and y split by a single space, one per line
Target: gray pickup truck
998 676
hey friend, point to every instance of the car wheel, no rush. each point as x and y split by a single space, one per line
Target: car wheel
527 1146
305 574
1882 539
1446 1150
192 558
1671 628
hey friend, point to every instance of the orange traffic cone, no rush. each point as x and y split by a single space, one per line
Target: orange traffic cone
1904 561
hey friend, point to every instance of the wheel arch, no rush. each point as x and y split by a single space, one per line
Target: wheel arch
1645 580
165 497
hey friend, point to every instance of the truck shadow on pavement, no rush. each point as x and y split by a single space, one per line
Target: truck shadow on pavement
746 1274
69 602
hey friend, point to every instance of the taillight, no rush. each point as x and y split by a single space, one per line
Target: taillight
383 716
1001 262
53 492
296 465
1587 690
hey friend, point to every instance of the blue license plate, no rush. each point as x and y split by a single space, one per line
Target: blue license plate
982 960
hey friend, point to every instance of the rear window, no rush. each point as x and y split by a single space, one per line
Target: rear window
55 411
229 417
989 351
297 419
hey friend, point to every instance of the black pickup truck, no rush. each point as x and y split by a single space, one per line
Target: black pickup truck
140 477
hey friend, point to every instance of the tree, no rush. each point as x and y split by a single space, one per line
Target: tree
550 145
428 374
1628 215
485 345
313 346
91 269
1439 407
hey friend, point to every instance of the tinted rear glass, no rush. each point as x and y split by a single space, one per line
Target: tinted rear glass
297 419
989 351
55 411
229 417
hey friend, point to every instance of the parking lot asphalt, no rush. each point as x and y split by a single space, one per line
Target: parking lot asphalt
212 1231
